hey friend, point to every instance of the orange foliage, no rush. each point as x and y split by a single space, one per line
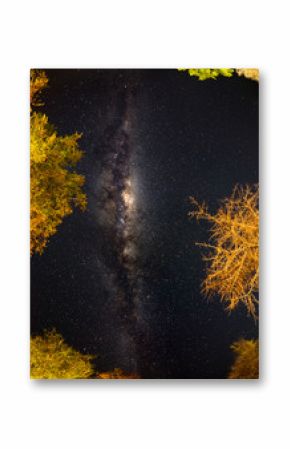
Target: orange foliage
246 364
232 254
117 373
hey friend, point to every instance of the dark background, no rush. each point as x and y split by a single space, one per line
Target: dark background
188 137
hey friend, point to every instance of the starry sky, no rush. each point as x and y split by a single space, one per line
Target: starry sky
122 279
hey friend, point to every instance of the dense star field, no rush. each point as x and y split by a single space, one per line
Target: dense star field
122 279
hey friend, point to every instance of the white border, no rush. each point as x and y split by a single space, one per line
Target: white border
155 414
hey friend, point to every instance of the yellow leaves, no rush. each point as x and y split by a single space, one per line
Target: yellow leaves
38 82
54 187
39 142
246 364
232 254
204 74
252 74
52 358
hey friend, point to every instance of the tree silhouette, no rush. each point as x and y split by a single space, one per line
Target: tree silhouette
232 253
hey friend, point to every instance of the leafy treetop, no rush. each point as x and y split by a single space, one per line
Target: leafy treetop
38 82
52 358
232 253
54 185
204 74
246 364
252 74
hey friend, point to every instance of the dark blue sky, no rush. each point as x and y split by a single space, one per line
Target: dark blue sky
185 137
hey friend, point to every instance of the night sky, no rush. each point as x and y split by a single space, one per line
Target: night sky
122 279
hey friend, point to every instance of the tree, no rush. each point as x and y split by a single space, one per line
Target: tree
52 358
246 364
38 82
252 74
204 74
232 254
55 187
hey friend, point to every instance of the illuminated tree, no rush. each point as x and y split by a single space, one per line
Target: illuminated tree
55 187
232 254
117 373
246 364
38 82
252 74
204 74
52 358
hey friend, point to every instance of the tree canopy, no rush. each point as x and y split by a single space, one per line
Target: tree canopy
232 253
204 74
52 358
246 364
38 82
252 74
55 187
